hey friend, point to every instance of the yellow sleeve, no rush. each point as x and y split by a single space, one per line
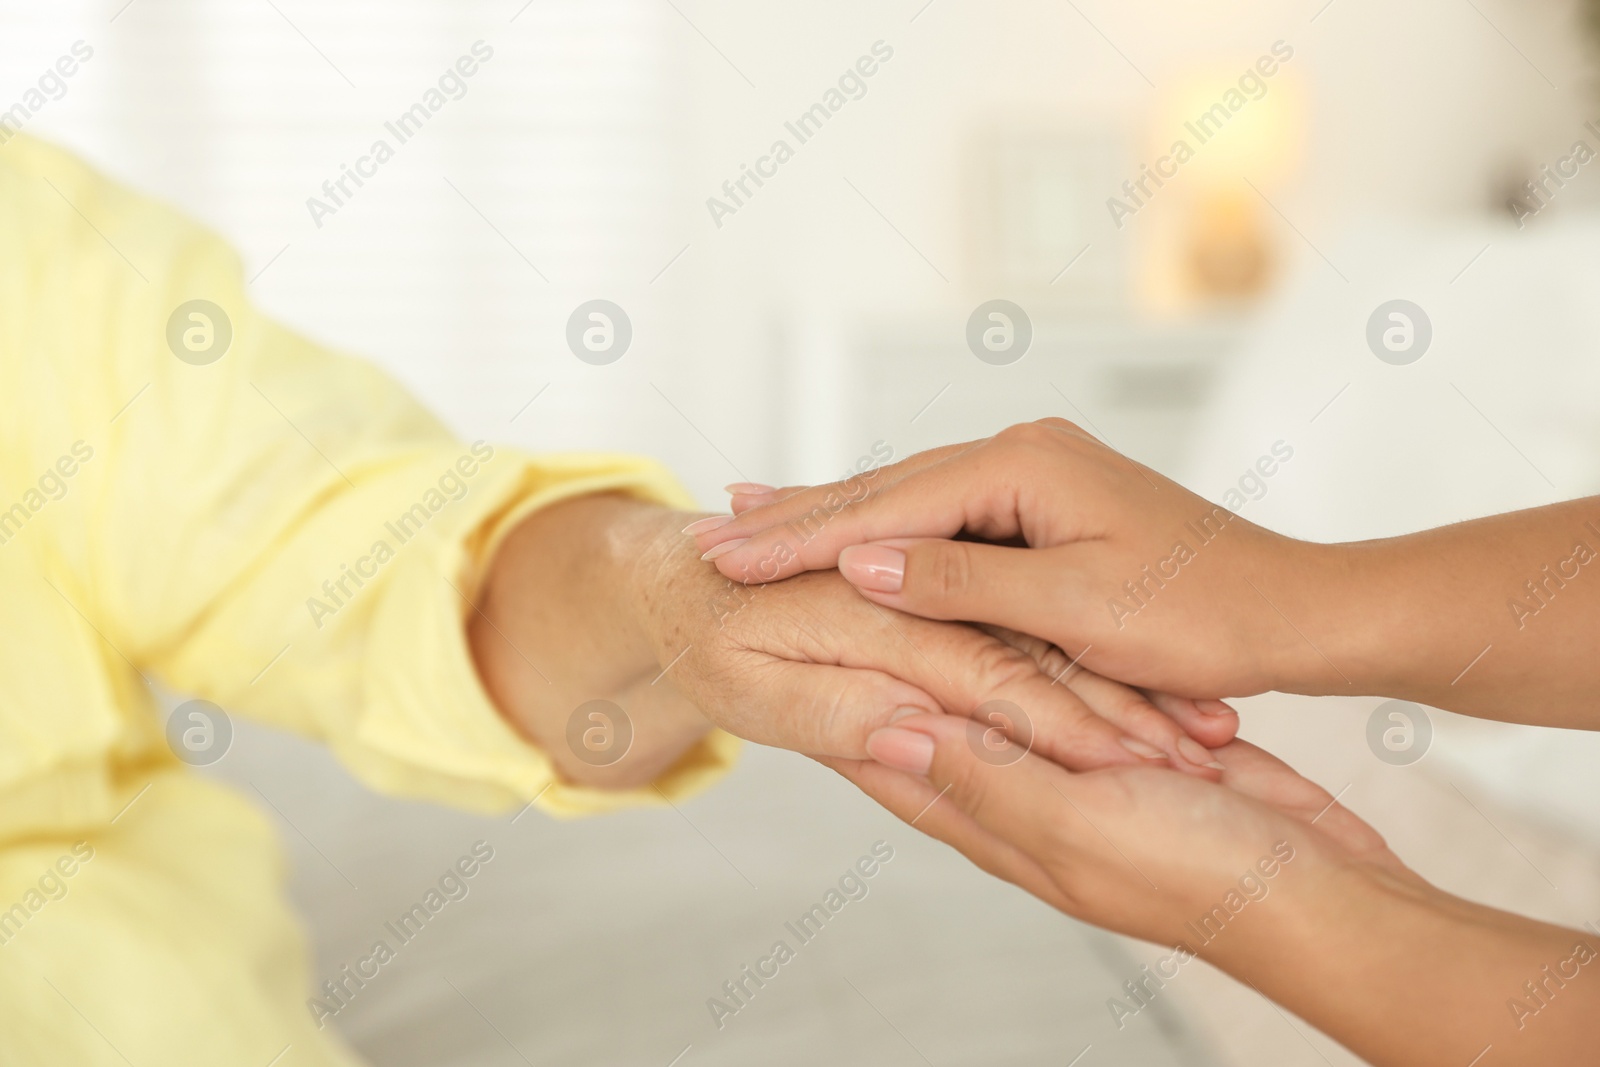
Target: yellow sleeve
271 526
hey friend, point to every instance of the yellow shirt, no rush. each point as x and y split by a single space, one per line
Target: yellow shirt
193 495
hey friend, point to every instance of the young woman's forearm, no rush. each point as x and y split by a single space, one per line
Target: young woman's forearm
1497 617
559 623
1408 976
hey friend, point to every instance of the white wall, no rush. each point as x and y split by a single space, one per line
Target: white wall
593 138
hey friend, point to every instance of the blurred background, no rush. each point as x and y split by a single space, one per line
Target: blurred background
1425 153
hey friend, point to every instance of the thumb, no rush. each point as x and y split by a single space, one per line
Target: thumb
1022 589
1017 796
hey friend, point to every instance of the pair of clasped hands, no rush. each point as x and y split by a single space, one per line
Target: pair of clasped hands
1096 765
1105 776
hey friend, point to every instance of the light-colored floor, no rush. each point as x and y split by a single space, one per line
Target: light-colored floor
600 941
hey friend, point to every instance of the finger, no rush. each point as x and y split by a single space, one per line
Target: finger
1210 722
975 482
1028 589
963 670
1131 711
1075 723
927 510
821 709
739 503
742 496
805 531
971 673
747 495
1108 698
918 804
1088 723
1022 803
1256 773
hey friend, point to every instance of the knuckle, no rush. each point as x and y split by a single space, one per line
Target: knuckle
737 618
997 667
1127 704
949 575
1056 422
719 677
1046 443
969 783
1028 436
1063 432
857 703
1141 712
1048 658
836 724
1053 662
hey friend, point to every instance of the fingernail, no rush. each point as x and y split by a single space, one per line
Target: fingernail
874 568
906 712
1196 753
749 489
1142 750
724 548
700 526
904 750
1214 707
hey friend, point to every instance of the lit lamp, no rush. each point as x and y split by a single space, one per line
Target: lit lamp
1214 136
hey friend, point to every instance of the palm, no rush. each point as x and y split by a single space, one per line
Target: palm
1264 778
1182 833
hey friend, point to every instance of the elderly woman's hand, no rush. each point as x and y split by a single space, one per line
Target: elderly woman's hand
808 664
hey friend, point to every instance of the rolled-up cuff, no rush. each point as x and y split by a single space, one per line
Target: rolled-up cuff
430 727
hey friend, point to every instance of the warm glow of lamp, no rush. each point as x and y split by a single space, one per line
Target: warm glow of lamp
1221 130
1261 139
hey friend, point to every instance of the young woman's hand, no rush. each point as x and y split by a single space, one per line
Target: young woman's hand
1144 580
1138 850
1263 875
1153 585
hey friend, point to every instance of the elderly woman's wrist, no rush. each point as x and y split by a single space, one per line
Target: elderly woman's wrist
557 620
651 557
